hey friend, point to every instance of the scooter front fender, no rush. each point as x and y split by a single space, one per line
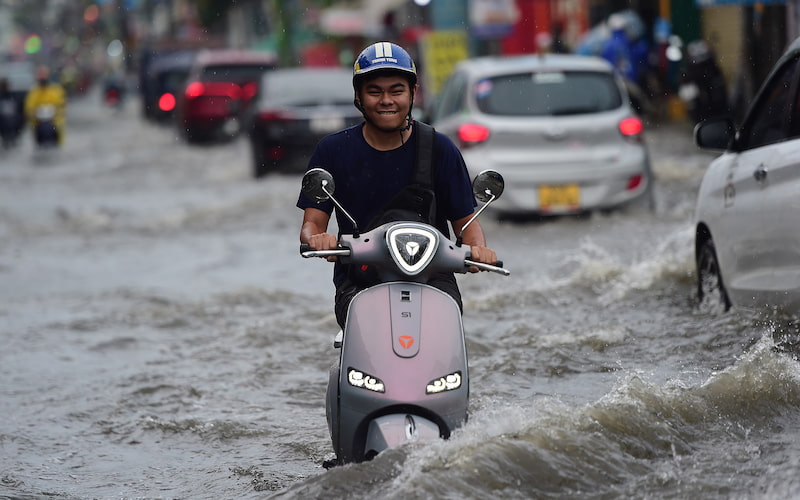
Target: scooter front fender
393 430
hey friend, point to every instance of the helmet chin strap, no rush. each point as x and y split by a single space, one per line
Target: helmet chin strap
409 121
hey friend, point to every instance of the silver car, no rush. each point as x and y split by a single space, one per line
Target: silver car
559 128
747 242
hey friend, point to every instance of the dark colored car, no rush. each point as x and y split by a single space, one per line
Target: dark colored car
164 81
295 109
218 92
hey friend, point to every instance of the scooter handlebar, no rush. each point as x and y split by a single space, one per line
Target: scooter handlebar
498 268
370 250
307 252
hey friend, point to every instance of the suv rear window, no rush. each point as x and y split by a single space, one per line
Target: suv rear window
548 93
234 72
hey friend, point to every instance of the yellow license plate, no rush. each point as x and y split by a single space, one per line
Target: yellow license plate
567 195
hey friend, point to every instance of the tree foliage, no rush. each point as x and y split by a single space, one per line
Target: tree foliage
213 12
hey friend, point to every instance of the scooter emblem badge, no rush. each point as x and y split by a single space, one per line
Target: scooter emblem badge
412 246
406 341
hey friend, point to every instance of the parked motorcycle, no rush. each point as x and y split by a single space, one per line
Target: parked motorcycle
403 373
44 127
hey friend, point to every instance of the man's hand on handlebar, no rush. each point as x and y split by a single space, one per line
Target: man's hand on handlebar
324 241
484 255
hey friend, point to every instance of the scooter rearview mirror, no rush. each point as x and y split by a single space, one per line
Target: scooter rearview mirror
488 185
318 184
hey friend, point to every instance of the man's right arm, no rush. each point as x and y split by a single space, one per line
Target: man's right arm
313 231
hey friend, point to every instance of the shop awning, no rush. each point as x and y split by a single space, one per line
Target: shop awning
717 3
365 19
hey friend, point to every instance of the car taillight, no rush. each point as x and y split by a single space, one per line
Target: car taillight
166 102
631 127
471 134
634 182
195 89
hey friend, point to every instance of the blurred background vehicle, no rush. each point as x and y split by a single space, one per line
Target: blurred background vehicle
164 80
44 126
45 109
295 109
559 128
622 40
218 92
10 115
114 89
747 243
18 78
703 87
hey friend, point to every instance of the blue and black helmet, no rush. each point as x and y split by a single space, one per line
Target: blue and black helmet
384 57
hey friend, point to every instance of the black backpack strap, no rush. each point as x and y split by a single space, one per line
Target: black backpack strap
416 202
423 175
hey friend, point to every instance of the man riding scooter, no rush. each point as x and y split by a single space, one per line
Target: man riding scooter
45 109
375 164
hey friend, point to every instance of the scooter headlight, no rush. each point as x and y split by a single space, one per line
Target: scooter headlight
449 382
357 378
412 246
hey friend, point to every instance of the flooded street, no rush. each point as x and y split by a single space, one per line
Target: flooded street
162 338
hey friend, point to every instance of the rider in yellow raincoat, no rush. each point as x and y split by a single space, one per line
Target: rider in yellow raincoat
46 93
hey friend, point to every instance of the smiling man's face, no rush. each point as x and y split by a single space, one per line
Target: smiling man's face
386 100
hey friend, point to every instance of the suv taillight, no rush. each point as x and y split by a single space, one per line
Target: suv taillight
249 90
631 127
274 115
213 89
471 134
195 89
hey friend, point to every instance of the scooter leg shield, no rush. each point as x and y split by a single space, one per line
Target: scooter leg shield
403 355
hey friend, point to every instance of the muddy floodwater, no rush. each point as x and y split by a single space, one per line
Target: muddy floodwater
160 337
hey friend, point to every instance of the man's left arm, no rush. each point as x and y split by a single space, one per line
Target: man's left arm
453 177
474 237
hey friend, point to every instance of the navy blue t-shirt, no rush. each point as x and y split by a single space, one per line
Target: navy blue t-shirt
366 178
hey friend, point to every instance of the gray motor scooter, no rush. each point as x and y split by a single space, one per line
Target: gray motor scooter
403 373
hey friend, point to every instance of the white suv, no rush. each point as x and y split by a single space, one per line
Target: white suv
747 243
